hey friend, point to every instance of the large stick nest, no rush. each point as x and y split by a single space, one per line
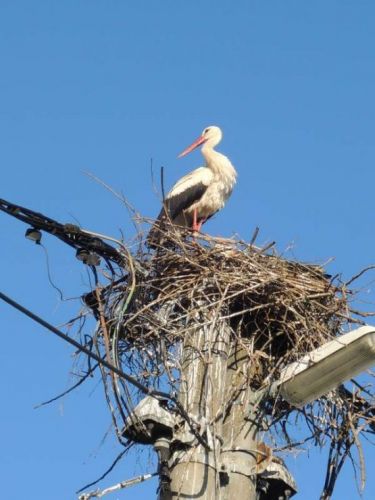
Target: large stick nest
285 308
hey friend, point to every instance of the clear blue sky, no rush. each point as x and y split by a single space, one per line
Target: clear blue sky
104 86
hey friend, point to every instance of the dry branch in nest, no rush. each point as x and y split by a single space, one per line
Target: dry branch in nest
277 310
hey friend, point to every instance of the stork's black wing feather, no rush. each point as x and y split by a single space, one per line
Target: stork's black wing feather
175 204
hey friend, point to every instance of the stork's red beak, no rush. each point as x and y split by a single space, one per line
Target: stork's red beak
195 144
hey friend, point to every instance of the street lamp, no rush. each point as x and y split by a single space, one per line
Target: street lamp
328 366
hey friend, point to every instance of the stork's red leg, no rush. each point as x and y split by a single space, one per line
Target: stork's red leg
195 226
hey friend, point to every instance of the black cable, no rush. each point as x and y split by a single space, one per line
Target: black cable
68 233
114 369
84 349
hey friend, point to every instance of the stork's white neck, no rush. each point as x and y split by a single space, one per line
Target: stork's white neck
217 162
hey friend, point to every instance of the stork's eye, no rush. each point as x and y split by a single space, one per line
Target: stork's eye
207 130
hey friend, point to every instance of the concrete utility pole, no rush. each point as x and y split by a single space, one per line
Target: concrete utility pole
214 394
240 431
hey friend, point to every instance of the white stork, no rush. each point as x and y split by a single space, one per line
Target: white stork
200 194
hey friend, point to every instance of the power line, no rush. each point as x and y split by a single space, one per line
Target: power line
70 234
156 394
83 349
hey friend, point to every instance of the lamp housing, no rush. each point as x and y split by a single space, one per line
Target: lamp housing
328 366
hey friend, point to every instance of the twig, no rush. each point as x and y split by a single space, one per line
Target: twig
254 237
68 390
162 183
110 469
355 277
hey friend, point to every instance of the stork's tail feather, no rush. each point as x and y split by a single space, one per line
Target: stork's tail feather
156 234
164 232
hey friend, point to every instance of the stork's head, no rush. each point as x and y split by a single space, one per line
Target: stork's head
210 137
